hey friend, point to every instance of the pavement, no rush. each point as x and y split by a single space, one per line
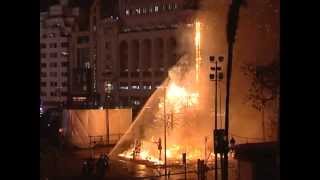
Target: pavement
69 167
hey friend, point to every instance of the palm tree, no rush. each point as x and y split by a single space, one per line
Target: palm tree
232 24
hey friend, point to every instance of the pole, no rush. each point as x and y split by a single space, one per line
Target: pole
185 170
215 121
165 133
229 71
107 124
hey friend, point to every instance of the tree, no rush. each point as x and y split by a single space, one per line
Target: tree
264 90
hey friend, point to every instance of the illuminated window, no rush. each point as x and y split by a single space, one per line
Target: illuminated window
169 7
138 11
147 86
150 9
135 85
123 86
136 102
144 10
164 7
127 12
108 87
175 6
156 8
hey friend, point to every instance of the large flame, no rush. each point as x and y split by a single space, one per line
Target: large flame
179 99
197 46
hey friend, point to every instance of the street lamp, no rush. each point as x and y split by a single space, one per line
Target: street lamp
216 76
165 128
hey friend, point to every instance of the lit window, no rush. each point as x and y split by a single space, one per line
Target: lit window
175 6
147 86
150 9
108 87
52 35
144 10
136 102
124 86
135 85
156 8
138 10
127 12
169 7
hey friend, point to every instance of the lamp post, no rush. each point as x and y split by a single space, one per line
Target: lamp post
108 89
165 128
216 77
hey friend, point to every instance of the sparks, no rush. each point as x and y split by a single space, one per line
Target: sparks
197 45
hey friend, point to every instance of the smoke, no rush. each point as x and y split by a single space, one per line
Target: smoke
190 122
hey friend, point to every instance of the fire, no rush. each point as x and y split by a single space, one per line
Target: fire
197 46
178 98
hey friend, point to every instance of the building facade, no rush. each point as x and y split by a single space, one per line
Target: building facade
130 47
55 29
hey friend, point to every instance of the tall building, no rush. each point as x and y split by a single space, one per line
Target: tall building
55 29
128 48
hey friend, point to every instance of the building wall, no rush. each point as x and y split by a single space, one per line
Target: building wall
55 29
131 53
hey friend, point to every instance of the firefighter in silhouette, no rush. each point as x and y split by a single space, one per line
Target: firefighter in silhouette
232 144
159 148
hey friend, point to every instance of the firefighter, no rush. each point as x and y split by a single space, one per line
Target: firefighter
232 144
85 168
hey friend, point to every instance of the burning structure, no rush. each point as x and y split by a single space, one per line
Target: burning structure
178 112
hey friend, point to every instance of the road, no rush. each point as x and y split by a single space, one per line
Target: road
70 164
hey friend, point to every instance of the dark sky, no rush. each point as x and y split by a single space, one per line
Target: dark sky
44 4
